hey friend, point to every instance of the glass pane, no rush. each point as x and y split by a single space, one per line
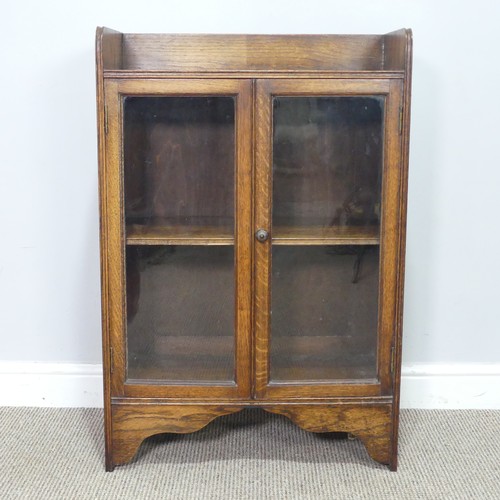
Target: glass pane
327 170
324 326
180 313
327 161
179 162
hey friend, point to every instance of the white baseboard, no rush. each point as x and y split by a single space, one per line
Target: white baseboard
50 384
446 386
451 386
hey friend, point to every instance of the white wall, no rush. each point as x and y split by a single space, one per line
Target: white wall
49 262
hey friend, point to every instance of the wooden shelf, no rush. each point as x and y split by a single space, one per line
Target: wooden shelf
178 235
138 234
331 235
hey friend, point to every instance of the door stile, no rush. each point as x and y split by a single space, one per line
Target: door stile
262 253
389 235
116 299
243 240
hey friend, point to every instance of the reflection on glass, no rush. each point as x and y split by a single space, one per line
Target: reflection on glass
179 162
327 161
327 170
324 313
180 314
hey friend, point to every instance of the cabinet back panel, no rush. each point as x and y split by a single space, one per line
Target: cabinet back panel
179 160
327 160
252 52
180 314
324 326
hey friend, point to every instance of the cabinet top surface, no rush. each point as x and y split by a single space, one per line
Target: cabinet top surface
243 53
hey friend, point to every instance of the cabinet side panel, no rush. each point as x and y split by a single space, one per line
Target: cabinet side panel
405 152
106 50
111 48
395 50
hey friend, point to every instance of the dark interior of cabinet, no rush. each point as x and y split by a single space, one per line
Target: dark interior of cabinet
327 161
324 313
327 170
180 313
179 162
179 181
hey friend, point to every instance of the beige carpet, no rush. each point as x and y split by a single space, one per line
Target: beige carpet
58 454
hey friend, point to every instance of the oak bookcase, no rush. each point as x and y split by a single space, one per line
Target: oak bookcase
253 210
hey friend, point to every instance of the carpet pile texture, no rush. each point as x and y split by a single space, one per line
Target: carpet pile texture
54 453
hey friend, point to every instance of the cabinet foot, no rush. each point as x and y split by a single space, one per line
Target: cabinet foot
371 424
132 424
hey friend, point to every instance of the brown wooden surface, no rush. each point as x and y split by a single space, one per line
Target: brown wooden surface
157 65
389 235
407 43
108 444
262 251
178 235
241 89
396 50
252 52
371 424
281 235
110 49
330 235
108 54
115 237
120 74
134 423
299 87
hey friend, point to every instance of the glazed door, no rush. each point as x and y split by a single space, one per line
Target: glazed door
179 168
326 236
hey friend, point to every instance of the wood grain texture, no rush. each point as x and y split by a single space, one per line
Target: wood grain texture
262 250
263 182
116 302
371 424
252 69
395 50
244 238
134 423
125 74
115 239
178 235
108 51
389 234
329 235
252 52
404 165
109 44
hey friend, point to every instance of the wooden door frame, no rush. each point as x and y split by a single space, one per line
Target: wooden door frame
391 228
113 235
